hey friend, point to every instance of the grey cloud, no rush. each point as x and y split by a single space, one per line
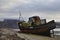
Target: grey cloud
31 7
37 6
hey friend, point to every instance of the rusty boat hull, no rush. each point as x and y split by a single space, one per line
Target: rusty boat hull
43 29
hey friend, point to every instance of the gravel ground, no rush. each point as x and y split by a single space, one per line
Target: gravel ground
37 37
9 34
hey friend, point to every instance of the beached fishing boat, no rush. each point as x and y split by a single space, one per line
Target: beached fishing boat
36 26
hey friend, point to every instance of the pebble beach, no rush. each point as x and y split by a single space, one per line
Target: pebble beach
38 37
10 34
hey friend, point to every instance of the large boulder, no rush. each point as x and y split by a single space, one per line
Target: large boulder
9 34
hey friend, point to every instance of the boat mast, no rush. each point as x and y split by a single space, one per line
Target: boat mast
20 17
19 14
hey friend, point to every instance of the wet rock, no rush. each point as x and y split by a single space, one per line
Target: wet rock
9 34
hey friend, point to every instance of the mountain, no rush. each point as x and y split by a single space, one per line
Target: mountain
9 23
57 24
13 23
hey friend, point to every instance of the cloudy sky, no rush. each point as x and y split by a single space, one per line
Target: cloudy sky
49 9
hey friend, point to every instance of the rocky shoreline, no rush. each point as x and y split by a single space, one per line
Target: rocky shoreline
10 34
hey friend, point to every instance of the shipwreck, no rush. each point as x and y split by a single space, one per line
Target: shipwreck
35 25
